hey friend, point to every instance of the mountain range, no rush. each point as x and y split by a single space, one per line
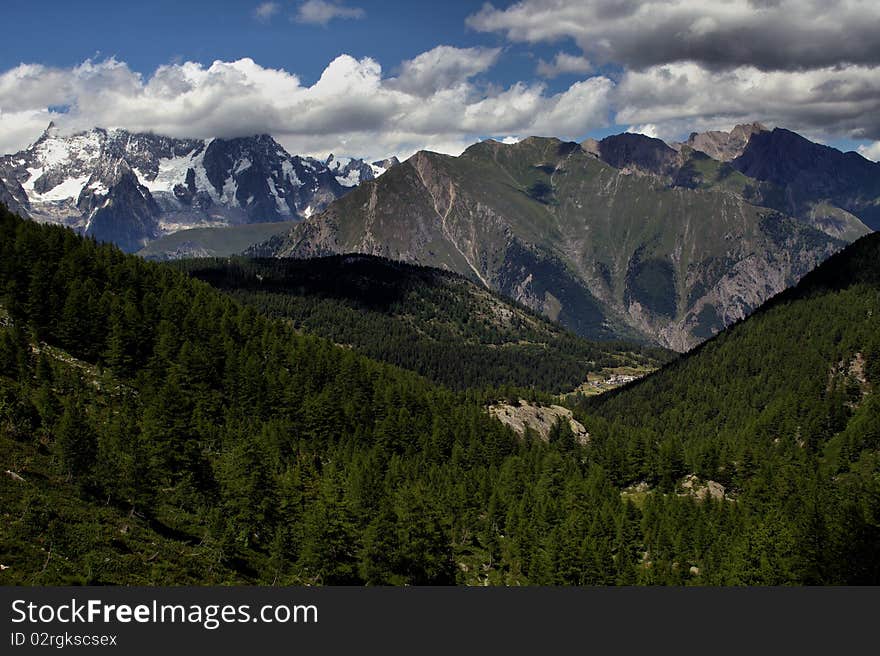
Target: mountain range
623 237
130 188
626 237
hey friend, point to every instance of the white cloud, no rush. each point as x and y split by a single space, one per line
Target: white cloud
843 101
767 34
687 65
564 63
576 110
321 12
433 103
17 129
871 151
648 129
444 67
436 101
266 10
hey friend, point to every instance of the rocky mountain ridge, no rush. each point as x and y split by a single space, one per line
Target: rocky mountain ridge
627 237
131 188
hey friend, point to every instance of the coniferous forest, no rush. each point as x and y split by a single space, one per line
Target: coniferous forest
430 321
154 430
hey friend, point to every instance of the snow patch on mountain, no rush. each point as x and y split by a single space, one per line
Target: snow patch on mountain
290 173
350 172
70 188
172 172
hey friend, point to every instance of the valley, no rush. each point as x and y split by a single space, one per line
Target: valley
157 431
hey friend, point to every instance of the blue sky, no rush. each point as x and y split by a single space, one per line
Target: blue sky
661 67
148 34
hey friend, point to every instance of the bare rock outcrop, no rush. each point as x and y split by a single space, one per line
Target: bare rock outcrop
702 490
538 418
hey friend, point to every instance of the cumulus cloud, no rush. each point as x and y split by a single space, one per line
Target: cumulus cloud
18 129
680 66
766 34
444 67
810 65
321 12
871 151
265 10
564 63
433 103
839 101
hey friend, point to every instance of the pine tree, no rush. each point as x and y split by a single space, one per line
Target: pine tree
77 443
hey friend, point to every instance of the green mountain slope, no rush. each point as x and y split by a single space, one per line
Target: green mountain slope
824 188
812 176
436 323
782 410
211 242
605 252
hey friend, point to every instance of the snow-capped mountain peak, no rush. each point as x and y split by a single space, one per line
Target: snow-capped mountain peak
130 188
350 172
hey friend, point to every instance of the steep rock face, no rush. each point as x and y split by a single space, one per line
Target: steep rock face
164 184
385 164
811 175
545 222
724 146
15 202
256 175
127 216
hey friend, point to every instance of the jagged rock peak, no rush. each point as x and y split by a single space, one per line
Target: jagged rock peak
724 146
387 163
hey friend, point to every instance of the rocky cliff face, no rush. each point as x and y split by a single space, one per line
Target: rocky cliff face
603 251
636 153
132 188
724 146
16 202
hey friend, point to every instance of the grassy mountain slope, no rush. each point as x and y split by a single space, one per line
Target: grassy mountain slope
415 317
211 242
550 225
699 170
824 188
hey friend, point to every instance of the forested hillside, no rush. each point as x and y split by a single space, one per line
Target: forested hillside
433 322
783 410
158 432
154 431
